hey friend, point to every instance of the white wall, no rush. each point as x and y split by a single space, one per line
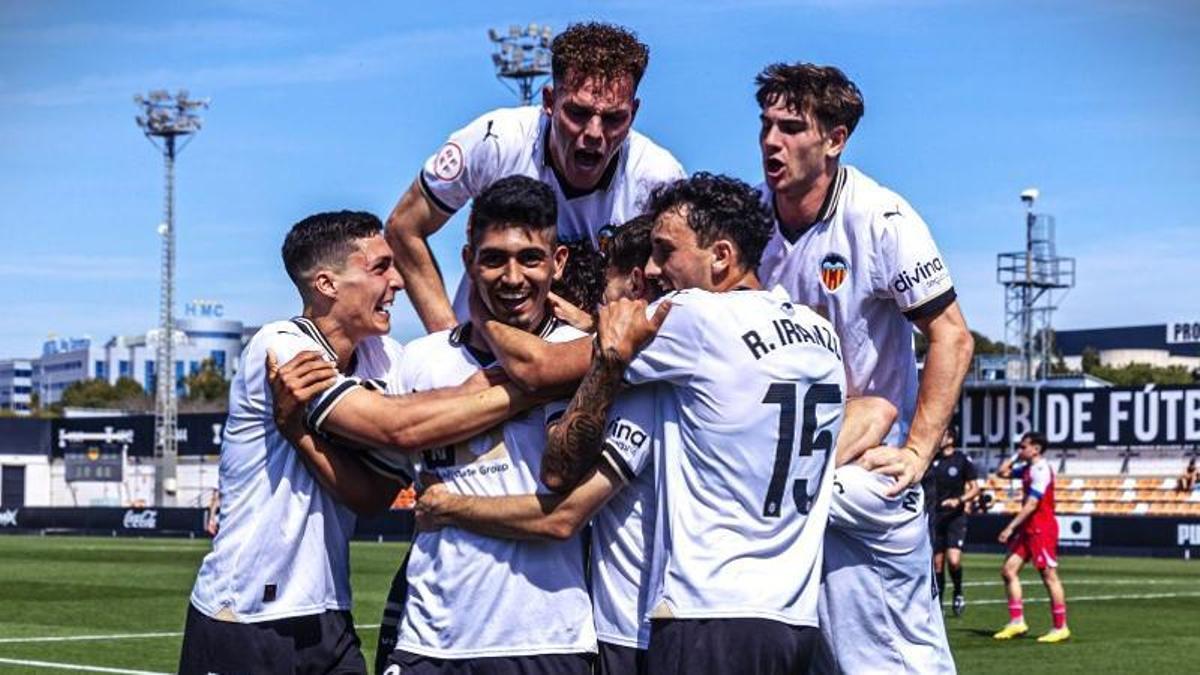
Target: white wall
45 483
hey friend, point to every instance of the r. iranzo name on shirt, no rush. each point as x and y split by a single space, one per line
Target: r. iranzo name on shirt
786 333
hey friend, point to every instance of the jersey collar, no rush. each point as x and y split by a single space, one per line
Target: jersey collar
460 336
828 207
309 328
568 191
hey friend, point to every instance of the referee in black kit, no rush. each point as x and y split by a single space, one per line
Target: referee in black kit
952 477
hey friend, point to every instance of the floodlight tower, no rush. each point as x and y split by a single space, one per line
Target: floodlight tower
522 57
165 119
1030 278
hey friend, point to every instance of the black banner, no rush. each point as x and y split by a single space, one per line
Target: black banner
390 525
1081 418
198 433
1141 535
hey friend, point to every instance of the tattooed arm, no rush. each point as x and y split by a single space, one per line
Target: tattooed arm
574 442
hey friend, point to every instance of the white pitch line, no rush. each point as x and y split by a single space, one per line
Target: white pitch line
1067 581
73 638
1086 598
123 636
77 668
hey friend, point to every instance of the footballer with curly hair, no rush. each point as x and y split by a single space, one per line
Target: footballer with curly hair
579 141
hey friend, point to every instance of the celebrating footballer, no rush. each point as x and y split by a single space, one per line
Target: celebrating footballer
740 420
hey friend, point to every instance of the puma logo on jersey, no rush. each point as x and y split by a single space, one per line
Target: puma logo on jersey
923 271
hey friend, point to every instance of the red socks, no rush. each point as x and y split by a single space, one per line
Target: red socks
1059 612
1016 611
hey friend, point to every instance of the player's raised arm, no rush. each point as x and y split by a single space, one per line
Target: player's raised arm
409 226
1005 470
575 442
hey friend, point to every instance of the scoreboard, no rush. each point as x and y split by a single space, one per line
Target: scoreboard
93 461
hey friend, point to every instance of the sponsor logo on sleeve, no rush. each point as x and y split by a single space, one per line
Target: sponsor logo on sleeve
834 269
627 437
448 164
140 520
8 518
924 275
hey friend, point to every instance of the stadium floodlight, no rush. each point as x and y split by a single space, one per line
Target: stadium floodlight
522 58
164 120
1029 196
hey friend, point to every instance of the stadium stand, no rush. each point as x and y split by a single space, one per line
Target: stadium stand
1104 495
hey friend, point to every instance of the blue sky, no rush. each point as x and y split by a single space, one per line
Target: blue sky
317 106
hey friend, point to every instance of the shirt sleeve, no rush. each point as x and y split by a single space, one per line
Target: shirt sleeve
674 352
629 434
466 163
1039 479
909 262
969 471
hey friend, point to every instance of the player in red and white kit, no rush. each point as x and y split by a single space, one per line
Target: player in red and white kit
1032 535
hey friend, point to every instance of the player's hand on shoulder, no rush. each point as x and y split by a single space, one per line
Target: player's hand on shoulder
574 316
902 464
624 328
293 385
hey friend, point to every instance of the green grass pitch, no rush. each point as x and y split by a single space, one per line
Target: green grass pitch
1127 614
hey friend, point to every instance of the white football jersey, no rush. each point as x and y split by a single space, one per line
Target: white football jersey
879 607
757 385
869 264
283 546
623 529
513 141
472 596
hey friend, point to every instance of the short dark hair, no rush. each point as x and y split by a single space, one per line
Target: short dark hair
719 207
824 91
325 240
513 201
628 247
601 51
582 281
1037 439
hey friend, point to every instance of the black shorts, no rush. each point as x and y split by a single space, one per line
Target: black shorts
407 663
393 610
950 531
730 647
318 643
615 659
